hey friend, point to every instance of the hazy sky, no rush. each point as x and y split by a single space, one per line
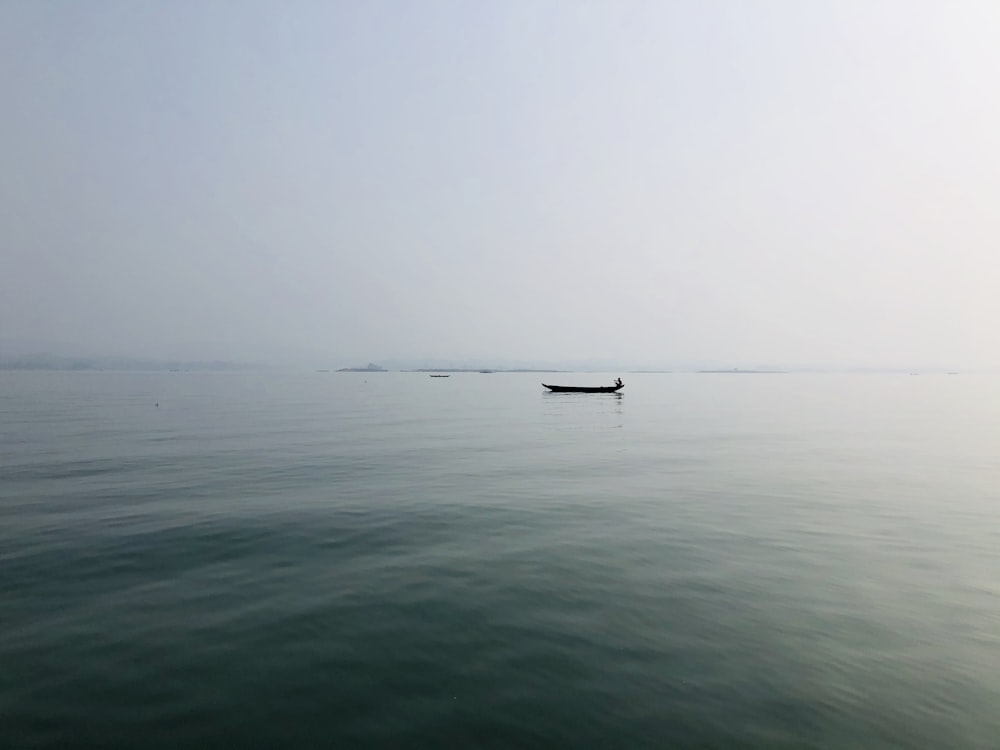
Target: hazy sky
731 182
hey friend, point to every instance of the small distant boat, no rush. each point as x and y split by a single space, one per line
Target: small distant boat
585 389
440 376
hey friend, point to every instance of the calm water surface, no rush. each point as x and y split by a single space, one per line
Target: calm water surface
390 560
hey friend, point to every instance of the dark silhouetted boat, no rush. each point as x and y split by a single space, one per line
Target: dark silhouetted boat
584 389
440 376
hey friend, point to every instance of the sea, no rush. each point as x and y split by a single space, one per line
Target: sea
389 560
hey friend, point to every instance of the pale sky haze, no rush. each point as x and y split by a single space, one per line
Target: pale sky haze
711 182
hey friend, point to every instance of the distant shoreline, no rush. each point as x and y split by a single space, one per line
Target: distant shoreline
737 371
70 364
474 370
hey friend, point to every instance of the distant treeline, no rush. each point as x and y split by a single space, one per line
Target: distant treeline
56 362
478 369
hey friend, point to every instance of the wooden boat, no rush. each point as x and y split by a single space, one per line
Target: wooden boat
583 389
440 376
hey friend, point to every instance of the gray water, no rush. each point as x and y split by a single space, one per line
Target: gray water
390 560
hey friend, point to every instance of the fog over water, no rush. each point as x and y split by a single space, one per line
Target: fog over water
650 184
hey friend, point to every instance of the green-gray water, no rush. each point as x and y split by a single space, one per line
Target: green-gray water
390 560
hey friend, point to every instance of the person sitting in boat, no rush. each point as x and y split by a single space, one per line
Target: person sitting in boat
618 382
